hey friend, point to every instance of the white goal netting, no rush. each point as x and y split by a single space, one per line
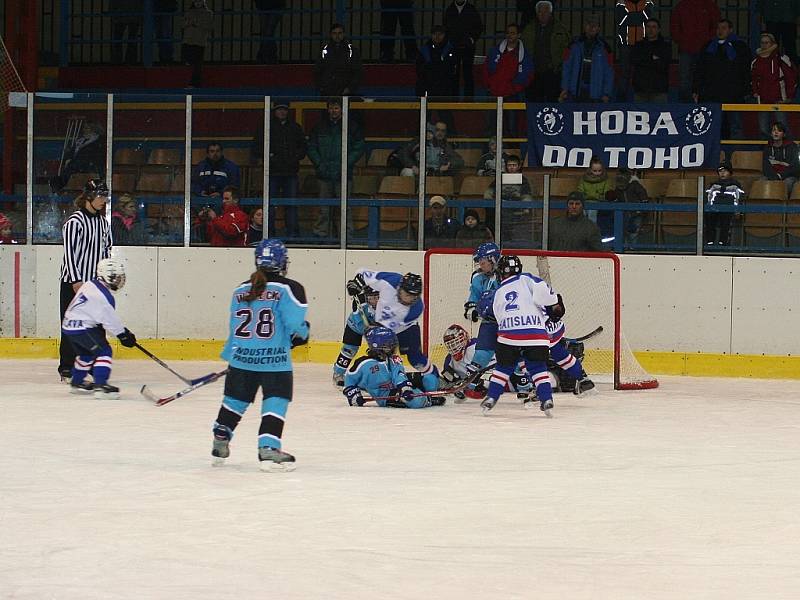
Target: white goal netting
589 284
10 80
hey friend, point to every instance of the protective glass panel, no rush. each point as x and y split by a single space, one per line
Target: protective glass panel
13 213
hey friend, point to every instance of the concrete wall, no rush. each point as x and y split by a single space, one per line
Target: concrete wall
669 303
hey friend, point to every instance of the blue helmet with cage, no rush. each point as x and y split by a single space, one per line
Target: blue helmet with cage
381 342
272 256
485 306
487 250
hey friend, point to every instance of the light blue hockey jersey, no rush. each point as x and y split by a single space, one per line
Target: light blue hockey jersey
260 335
479 283
377 377
356 322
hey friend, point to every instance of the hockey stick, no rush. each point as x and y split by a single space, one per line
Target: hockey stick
588 336
171 370
462 385
210 378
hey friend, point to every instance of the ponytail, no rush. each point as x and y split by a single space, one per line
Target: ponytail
258 283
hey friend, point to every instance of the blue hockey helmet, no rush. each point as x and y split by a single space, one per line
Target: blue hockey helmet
381 342
485 305
272 256
488 250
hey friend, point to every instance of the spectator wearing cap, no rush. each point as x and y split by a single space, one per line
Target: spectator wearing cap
214 173
588 75
575 232
6 230
87 240
517 223
691 24
726 191
650 59
546 38
781 158
440 229
774 80
338 70
287 147
473 233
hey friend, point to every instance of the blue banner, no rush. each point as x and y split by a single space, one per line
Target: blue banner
637 136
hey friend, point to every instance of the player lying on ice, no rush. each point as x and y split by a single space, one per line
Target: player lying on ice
362 317
381 374
88 317
399 309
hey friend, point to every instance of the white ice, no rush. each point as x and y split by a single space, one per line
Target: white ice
688 491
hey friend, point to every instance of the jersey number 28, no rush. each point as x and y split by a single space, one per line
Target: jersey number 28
265 326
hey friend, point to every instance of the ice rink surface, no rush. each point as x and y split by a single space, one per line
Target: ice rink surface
688 491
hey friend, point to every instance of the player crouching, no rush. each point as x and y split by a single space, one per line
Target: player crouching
86 320
362 317
380 373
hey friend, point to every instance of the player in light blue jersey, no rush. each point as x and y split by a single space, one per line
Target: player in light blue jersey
381 373
483 279
267 320
399 308
362 317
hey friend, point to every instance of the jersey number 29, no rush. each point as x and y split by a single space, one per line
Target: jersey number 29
265 326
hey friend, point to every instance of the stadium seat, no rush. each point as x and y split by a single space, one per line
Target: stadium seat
474 187
129 156
165 156
471 157
376 164
364 186
122 183
680 226
765 229
397 220
561 187
154 183
397 186
240 156
441 186
747 161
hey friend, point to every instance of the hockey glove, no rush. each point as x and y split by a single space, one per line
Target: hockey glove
470 312
406 393
127 339
472 368
448 377
353 395
356 286
557 310
298 340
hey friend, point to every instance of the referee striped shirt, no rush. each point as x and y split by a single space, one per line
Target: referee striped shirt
87 240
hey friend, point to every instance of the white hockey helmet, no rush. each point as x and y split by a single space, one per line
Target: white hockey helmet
111 271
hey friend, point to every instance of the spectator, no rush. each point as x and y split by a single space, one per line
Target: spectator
198 25
594 185
546 39
214 173
441 158
781 158
527 10
627 189
587 74
464 27
126 19
691 24
255 233
287 147
726 191
338 70
85 154
440 230
650 59
780 17
163 20
393 11
436 66
487 164
723 75
472 233
325 152
126 228
517 223
6 230
407 156
509 67
774 81
631 16
230 228
268 20
575 232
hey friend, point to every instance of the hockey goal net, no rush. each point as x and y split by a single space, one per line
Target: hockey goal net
589 284
10 80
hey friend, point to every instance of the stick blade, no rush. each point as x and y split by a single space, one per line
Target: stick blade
148 393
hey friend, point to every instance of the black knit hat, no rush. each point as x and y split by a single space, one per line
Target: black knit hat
726 164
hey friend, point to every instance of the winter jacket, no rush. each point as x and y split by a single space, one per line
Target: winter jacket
463 28
440 233
778 11
633 192
579 234
774 78
127 231
781 162
254 235
210 178
630 17
198 25
287 147
650 62
230 228
487 164
595 188
338 68
436 69
602 74
725 192
325 148
508 72
471 237
559 40
692 23
723 71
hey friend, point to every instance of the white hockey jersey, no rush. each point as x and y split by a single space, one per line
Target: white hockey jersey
93 305
459 367
389 311
519 307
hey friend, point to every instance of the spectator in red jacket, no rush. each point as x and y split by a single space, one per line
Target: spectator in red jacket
509 66
692 24
774 81
230 228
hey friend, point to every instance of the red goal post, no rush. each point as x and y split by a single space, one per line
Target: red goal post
589 283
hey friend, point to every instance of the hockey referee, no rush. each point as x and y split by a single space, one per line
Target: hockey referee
87 240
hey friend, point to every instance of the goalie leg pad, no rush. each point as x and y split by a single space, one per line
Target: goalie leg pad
566 361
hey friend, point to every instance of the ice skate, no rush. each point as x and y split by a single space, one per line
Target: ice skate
65 376
106 392
338 380
84 387
547 408
221 448
273 460
583 385
438 400
529 402
487 405
459 397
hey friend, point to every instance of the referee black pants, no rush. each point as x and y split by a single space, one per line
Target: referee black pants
65 350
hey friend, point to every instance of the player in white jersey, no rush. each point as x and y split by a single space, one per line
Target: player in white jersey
522 305
87 319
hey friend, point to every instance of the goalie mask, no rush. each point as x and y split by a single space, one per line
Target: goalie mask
112 273
456 339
